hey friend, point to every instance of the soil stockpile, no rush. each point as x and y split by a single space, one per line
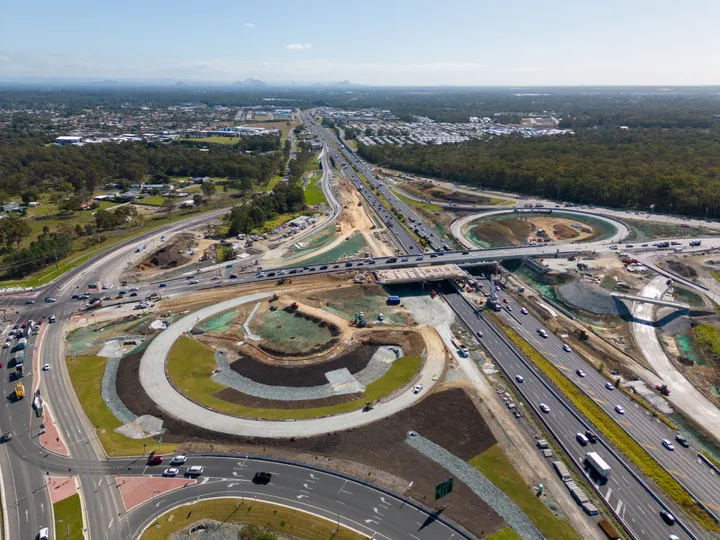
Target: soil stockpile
590 298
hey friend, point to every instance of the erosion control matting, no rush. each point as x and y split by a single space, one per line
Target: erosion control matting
303 376
447 418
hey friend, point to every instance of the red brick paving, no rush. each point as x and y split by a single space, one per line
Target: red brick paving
135 490
51 439
61 487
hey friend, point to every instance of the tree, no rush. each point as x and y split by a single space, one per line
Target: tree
79 230
198 200
89 229
167 206
30 195
208 188
14 230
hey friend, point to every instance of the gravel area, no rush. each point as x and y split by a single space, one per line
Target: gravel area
590 298
671 322
479 484
378 365
109 392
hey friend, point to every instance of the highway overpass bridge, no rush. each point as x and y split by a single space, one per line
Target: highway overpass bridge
647 300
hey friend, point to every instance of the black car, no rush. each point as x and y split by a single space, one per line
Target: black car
668 518
262 478
293 271
271 274
133 294
682 441
591 436
324 267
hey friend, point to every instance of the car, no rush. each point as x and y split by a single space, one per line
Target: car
629 245
667 444
50 300
682 441
466 253
673 537
519 378
336 266
155 460
420 258
162 285
371 261
172 471
6 345
613 247
46 367
121 292
232 276
44 534
667 517
270 274
281 272
582 439
1 364
433 255
105 286
260 275
509 308
643 245
324 267
404 259
29 301
133 289
178 460
262 478
193 282
195 470
108 297
580 373
591 436
506 300
619 409
133 294
418 388
544 408
609 386
75 297
312 269
567 348
52 318
83 296
348 265
524 311
543 332
215 278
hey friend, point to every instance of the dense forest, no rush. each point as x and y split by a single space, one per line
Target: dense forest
26 163
285 197
677 170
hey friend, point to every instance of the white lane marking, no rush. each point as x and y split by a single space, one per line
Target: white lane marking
376 511
607 495
26 516
619 507
372 521
111 522
232 485
384 501
205 480
302 496
307 487
313 476
42 507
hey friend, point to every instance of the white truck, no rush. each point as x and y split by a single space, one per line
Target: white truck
598 464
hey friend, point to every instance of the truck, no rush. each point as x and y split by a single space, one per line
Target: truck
695 243
597 463
22 342
393 301
608 529
18 371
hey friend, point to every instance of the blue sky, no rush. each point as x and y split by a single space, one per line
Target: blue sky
393 42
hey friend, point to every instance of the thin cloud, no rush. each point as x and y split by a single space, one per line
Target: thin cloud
299 46
249 25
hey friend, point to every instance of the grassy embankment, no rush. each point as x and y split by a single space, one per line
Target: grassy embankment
313 192
499 470
216 140
614 433
68 519
411 202
277 519
86 373
190 364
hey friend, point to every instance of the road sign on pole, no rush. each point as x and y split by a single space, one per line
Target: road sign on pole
443 488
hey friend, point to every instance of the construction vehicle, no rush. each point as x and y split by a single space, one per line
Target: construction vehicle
284 281
582 334
663 389
274 298
370 405
294 306
360 320
19 390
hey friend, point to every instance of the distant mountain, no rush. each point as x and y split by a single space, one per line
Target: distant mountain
107 81
344 83
179 83
253 82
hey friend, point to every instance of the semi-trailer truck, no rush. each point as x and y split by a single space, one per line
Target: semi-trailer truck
598 464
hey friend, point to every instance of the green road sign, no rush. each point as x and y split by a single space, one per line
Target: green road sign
160 441
443 488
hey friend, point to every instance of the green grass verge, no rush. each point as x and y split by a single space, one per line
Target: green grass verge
708 336
190 364
278 519
314 193
504 534
499 470
216 140
411 202
710 458
270 185
275 222
68 519
86 374
613 432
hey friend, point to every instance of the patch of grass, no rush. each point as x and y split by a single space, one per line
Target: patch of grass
613 431
275 222
411 202
314 193
708 336
499 470
710 458
68 518
353 244
313 164
352 143
504 534
190 364
155 200
271 184
277 519
86 374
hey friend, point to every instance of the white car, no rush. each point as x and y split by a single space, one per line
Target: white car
619 409
194 282
567 348
524 311
667 444
609 386
46 367
580 373
418 388
215 278
544 408
6 345
172 471
178 460
519 378
542 332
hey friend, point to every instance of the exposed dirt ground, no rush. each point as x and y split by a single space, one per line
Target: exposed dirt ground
377 451
354 217
170 255
430 191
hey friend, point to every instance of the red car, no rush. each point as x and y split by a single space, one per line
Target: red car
155 460
506 300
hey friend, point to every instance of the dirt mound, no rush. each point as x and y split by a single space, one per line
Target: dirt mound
171 255
513 232
682 269
354 360
564 232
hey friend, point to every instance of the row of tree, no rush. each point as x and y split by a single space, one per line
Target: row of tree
285 197
677 170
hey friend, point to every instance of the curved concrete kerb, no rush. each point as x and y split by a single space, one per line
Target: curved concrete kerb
157 386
